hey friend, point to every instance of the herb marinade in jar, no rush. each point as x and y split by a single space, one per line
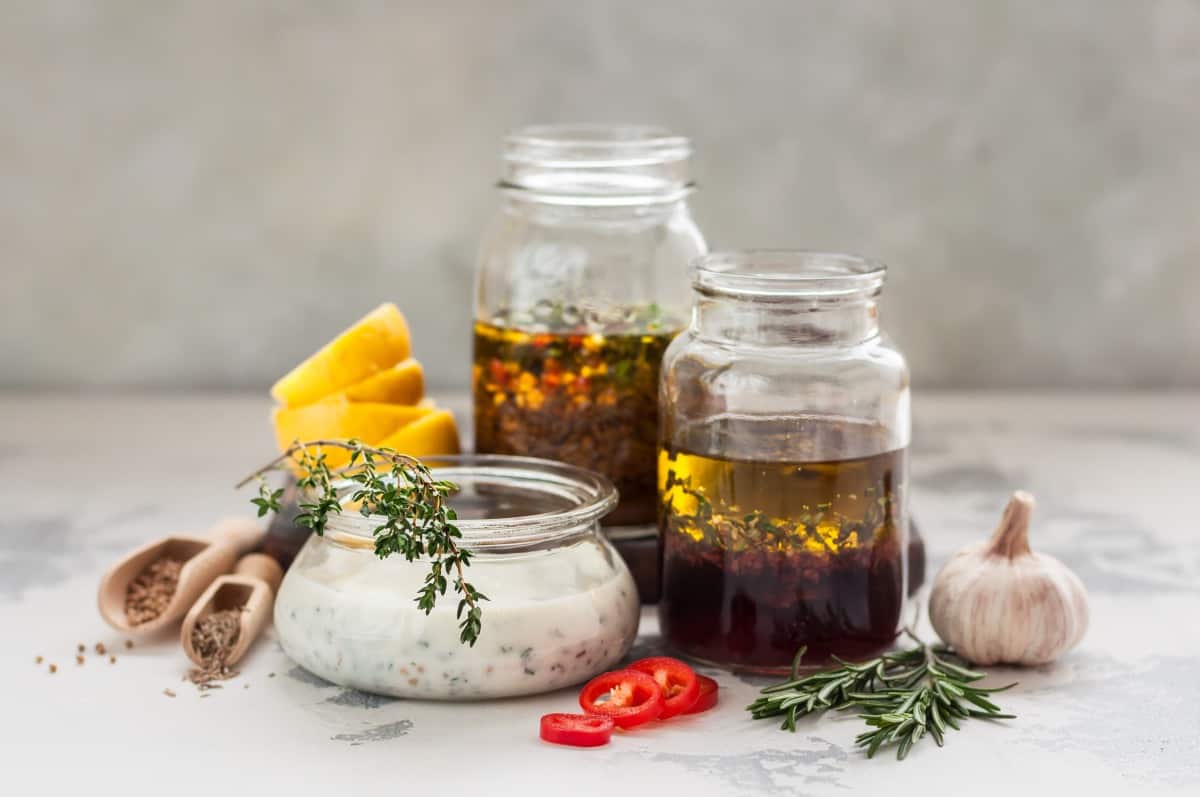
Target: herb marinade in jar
583 393
778 550
782 466
580 288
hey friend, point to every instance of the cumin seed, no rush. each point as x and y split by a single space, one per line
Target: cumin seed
150 592
213 637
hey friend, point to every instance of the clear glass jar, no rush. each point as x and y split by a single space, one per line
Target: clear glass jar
782 466
581 285
561 605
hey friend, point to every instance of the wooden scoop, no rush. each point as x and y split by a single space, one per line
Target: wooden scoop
204 558
251 587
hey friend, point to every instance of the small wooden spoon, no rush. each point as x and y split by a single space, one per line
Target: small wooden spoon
251 587
204 558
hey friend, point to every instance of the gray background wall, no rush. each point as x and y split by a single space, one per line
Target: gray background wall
198 194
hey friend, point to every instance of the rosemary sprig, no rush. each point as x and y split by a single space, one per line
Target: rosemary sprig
398 490
902 696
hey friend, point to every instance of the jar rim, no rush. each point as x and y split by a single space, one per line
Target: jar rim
595 144
611 165
588 497
787 273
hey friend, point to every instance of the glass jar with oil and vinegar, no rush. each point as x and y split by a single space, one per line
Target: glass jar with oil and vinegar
581 285
782 464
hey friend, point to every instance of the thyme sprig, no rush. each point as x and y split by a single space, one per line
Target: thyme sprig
396 489
902 696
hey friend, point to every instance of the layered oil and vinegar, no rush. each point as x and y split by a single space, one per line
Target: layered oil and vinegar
772 548
571 389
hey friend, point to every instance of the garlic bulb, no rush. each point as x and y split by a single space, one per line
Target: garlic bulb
998 602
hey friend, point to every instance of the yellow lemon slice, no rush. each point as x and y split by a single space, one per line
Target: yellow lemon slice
340 419
377 341
432 434
402 384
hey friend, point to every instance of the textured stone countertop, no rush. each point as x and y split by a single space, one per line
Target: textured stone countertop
1117 478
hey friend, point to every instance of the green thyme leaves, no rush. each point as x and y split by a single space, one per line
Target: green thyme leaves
401 494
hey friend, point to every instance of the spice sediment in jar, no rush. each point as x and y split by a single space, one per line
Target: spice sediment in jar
762 555
570 389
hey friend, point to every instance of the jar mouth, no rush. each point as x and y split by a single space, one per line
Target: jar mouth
787 274
504 503
596 164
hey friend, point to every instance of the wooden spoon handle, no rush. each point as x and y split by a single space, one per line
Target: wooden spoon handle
262 567
240 533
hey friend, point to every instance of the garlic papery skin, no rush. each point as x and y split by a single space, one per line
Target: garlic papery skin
998 602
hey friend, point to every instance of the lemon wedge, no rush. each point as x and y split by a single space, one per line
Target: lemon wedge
402 384
377 341
339 419
432 434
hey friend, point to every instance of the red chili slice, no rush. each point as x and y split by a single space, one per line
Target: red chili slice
708 695
576 730
676 679
630 697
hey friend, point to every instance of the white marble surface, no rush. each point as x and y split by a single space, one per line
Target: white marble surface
84 480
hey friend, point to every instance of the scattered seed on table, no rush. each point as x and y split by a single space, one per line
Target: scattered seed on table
79 659
270 675
112 659
168 693
100 649
81 647
38 660
53 668
129 644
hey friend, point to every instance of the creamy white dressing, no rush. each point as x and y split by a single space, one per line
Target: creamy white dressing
554 618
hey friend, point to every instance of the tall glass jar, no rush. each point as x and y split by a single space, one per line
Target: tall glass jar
581 285
782 466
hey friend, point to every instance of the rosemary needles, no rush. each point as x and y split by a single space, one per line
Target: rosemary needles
902 696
